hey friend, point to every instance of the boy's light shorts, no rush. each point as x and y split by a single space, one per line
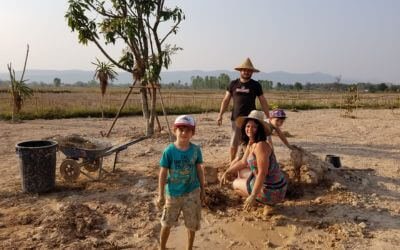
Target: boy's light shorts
189 204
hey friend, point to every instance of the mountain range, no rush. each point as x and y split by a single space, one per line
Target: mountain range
73 76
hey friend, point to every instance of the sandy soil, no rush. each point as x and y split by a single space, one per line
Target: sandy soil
358 209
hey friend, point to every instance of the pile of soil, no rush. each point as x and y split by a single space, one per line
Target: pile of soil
77 141
221 198
72 222
304 170
305 167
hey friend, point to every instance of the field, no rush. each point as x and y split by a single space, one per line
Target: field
359 208
52 103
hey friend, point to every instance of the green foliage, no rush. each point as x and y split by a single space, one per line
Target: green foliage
104 72
57 82
298 86
211 82
18 89
266 84
134 23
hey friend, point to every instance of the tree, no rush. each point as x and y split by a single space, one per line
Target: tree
57 82
266 84
136 23
223 81
92 83
18 89
104 72
298 86
197 82
382 87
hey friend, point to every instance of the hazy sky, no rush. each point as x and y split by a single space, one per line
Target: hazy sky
353 38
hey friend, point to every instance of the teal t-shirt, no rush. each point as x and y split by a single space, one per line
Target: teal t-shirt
182 171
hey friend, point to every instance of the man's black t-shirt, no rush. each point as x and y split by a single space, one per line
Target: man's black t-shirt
244 97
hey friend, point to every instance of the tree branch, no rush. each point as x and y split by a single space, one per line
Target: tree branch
26 59
149 32
103 13
170 32
110 58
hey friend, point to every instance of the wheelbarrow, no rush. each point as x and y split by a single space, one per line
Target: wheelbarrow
81 160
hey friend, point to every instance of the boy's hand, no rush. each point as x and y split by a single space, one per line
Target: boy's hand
203 196
160 202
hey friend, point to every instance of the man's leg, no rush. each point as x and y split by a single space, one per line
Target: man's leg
235 140
164 237
191 235
233 153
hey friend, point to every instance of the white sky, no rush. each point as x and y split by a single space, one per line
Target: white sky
353 38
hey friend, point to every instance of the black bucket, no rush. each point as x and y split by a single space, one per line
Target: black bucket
37 163
334 160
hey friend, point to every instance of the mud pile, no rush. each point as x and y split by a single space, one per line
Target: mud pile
305 167
72 222
78 141
218 198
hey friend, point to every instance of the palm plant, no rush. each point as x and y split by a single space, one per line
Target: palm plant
104 72
18 89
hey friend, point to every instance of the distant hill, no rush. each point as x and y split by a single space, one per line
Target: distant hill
73 76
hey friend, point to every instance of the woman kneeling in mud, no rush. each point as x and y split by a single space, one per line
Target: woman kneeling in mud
259 176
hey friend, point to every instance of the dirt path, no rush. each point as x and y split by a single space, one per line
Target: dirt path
360 210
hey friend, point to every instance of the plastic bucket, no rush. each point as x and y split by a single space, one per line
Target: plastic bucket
334 160
37 163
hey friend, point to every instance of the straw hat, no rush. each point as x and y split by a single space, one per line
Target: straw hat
247 65
256 115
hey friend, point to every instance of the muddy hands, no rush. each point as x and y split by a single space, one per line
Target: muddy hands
249 202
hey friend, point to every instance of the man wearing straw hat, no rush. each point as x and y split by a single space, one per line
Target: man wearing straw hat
243 91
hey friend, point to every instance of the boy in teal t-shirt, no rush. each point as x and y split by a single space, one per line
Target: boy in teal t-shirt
181 181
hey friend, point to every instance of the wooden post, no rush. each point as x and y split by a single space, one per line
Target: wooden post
120 109
165 115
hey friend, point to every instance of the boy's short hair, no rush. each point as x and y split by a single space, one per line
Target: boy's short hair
185 121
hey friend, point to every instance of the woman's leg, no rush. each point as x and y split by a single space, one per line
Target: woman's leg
240 186
244 173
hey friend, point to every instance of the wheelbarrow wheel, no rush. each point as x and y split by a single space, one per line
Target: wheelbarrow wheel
93 166
70 170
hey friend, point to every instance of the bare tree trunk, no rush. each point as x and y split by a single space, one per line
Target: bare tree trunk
14 111
153 113
102 107
145 109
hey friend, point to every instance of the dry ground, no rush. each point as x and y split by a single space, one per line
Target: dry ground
360 210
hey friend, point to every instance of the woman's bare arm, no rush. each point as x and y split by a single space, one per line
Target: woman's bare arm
262 152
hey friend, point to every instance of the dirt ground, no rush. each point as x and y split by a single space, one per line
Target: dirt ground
359 208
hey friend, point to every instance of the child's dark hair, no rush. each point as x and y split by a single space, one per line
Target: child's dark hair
260 134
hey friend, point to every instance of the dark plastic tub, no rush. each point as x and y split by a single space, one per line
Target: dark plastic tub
334 160
37 163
